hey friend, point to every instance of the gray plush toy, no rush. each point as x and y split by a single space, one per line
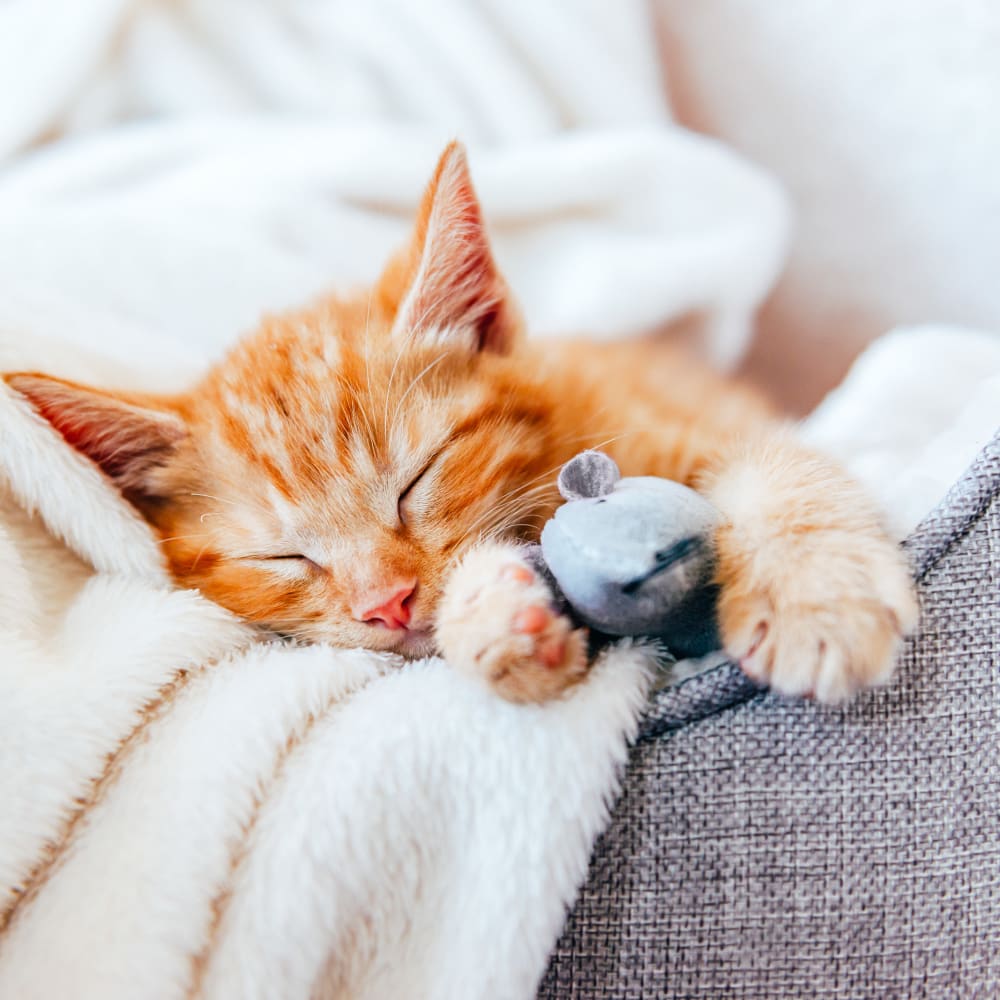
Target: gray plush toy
634 556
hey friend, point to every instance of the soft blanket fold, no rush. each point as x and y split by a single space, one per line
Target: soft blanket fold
190 812
290 824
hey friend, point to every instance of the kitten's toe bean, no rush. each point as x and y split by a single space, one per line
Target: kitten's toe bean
822 619
496 621
531 620
756 661
518 572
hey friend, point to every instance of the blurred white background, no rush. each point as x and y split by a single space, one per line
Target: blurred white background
882 121
169 168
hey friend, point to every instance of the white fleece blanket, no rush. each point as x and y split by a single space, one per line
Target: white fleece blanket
187 812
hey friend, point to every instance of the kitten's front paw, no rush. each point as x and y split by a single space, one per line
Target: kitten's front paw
496 621
821 616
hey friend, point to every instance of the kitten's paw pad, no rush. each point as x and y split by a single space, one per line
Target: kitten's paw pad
496 620
828 623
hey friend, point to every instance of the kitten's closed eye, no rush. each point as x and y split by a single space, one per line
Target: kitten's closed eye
291 560
403 503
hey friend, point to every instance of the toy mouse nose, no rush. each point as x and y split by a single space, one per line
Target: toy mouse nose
390 608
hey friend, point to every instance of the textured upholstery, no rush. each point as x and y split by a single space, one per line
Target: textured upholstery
768 848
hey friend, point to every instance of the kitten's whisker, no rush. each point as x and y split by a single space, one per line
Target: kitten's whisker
516 518
551 471
513 516
502 531
366 410
523 498
410 388
519 524
388 388
209 496
517 495
182 538
613 438
597 445
512 506
245 502
514 502
525 490
197 558
529 488
363 425
368 317
533 503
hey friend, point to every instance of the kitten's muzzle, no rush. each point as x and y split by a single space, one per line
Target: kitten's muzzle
391 607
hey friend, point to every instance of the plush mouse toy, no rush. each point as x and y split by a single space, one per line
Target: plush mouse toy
634 556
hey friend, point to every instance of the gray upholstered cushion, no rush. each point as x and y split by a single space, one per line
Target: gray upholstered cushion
768 848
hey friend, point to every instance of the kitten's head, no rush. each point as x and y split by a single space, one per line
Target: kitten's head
322 478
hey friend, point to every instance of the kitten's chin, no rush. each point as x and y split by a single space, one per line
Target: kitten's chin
413 643
416 643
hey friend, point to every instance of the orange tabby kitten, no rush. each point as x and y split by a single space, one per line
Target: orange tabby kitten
357 473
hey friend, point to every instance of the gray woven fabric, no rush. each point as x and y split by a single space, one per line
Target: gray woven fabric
767 848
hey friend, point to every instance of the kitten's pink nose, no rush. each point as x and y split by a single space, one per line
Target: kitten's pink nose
393 612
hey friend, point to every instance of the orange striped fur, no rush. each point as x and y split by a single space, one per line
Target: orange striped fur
379 435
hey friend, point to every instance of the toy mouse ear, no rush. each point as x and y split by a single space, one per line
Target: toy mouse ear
590 474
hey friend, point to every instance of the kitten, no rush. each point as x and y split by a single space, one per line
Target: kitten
358 473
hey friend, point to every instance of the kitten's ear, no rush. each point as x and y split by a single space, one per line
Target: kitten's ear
126 438
446 284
